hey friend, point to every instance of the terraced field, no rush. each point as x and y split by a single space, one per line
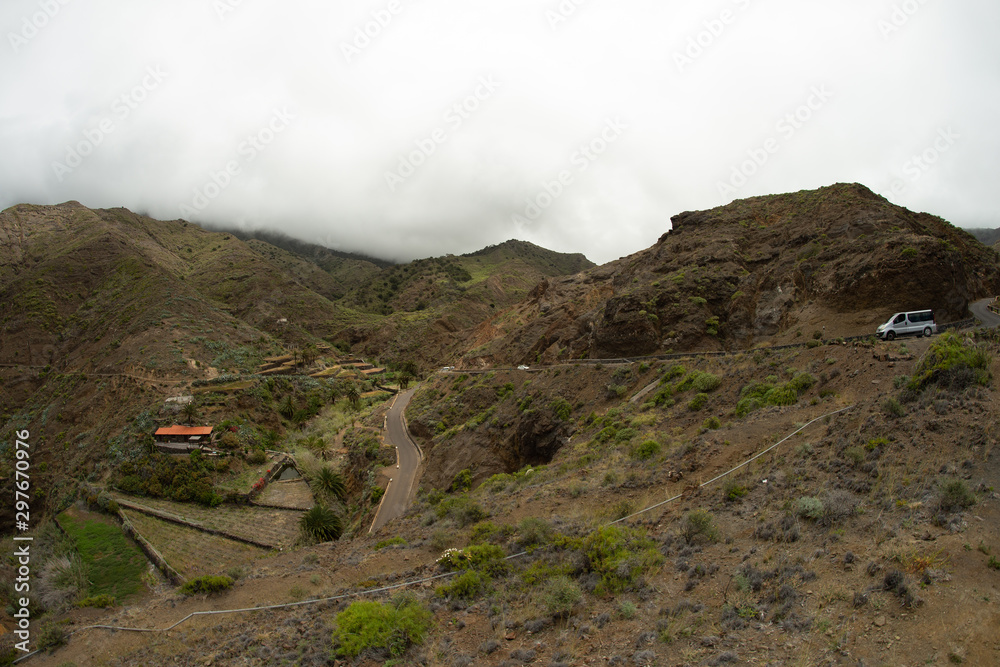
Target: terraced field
192 552
277 528
292 493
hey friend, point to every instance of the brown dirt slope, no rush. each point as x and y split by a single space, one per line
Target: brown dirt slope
869 537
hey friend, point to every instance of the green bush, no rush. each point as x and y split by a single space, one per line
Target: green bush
698 402
809 507
953 364
699 525
855 455
487 559
956 495
646 450
757 395
487 531
321 524
462 510
712 423
462 481
207 584
533 531
561 408
466 586
386 628
893 408
98 601
733 490
392 541
560 595
620 555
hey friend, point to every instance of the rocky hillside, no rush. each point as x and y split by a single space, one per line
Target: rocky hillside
833 261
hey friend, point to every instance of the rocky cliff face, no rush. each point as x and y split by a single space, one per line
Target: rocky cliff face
747 272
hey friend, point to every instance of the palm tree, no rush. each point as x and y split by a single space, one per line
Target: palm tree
404 380
331 482
354 396
315 444
287 407
334 394
321 524
190 412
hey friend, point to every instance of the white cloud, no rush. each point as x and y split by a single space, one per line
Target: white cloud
323 176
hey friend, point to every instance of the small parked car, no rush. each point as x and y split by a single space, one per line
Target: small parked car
522 367
913 323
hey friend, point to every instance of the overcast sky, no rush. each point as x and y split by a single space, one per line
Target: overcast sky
411 128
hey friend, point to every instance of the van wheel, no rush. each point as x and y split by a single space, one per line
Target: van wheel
927 332
890 335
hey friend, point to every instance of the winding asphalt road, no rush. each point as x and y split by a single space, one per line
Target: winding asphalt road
985 315
408 458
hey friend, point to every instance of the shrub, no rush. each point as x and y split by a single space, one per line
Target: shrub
733 490
956 495
98 601
646 450
392 541
321 524
698 402
855 455
953 364
893 408
711 424
699 525
487 559
838 504
561 408
461 509
466 586
462 481
620 555
385 628
533 531
673 372
207 584
560 595
810 508
257 457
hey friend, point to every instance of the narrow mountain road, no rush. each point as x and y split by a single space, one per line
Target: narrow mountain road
985 315
408 458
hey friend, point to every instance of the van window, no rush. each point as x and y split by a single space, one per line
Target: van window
900 319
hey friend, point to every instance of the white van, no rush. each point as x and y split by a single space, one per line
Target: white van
917 322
